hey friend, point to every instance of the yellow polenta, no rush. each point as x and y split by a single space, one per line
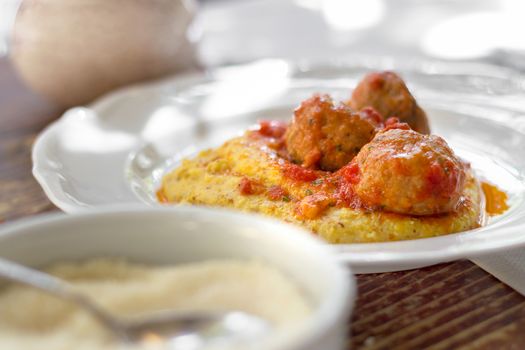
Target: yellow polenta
213 178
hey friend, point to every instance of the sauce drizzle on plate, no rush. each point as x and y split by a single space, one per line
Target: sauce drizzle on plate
496 199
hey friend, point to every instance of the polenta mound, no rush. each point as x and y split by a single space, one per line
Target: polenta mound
218 176
362 170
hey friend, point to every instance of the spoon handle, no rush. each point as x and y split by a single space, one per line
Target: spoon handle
34 278
55 287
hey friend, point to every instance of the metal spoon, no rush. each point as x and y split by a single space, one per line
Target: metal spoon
172 329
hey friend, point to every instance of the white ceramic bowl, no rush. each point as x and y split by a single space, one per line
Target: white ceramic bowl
186 234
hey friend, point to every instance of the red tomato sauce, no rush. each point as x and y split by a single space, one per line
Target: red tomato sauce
246 187
277 193
272 128
440 180
395 123
298 173
319 190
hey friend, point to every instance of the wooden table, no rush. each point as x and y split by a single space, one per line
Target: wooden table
447 306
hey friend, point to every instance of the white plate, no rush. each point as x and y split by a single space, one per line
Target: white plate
116 150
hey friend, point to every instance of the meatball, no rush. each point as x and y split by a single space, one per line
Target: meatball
325 136
388 94
406 172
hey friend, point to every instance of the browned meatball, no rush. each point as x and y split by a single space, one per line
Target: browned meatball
325 136
406 172
388 94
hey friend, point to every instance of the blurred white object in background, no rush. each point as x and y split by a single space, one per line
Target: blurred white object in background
478 34
323 30
347 14
74 51
8 9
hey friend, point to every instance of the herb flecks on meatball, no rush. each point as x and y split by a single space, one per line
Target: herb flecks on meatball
387 93
327 136
406 172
